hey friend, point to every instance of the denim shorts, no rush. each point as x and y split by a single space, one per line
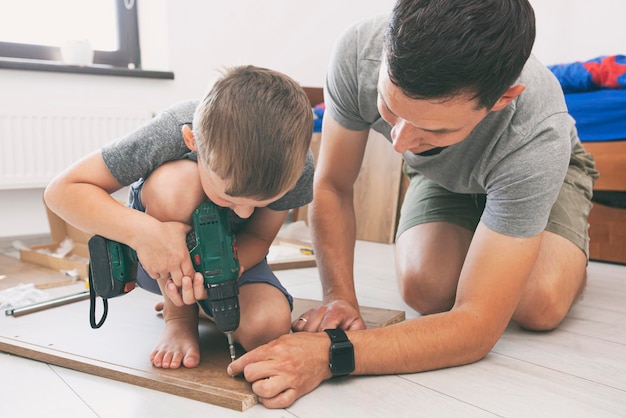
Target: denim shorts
426 201
260 273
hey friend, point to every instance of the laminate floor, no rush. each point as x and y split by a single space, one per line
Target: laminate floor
578 370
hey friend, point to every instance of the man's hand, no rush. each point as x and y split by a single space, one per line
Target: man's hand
286 368
336 314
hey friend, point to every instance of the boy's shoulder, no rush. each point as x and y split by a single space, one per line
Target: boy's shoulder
182 111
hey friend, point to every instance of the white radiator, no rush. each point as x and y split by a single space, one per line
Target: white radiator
36 144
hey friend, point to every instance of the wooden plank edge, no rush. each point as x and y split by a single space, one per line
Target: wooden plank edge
215 396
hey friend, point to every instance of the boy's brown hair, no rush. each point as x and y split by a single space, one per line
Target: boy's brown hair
253 129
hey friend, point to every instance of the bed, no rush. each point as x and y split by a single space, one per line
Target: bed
595 92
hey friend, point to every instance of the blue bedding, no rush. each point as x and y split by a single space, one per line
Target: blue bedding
600 115
596 96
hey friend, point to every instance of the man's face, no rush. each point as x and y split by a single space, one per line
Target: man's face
421 125
214 187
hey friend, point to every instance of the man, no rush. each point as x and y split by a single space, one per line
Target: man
494 224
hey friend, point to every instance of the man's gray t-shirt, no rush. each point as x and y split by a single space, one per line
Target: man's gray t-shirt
134 156
517 156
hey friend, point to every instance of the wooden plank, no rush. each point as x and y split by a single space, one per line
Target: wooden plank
301 255
18 272
378 190
607 233
120 349
610 159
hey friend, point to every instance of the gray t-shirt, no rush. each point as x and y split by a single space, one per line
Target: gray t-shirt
517 156
134 156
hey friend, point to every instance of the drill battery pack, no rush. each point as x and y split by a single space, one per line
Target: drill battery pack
113 267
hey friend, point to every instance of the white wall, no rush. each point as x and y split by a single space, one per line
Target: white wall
578 30
194 39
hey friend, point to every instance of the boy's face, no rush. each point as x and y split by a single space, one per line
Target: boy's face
214 187
421 125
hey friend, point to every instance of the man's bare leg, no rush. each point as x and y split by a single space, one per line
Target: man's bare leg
556 282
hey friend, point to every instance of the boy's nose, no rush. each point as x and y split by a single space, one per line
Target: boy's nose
243 211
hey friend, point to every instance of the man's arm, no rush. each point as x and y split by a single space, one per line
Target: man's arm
333 227
492 280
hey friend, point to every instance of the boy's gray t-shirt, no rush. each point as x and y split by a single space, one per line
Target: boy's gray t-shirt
133 157
517 156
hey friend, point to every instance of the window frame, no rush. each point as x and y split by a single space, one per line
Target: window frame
127 56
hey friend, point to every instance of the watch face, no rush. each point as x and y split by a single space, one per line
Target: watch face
342 358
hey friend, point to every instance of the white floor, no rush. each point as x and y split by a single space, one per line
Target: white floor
578 370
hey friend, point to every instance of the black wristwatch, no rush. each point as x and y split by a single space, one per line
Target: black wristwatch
341 352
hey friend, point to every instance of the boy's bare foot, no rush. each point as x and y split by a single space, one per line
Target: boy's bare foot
178 345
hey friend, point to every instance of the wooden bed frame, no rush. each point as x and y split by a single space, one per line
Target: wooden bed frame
607 225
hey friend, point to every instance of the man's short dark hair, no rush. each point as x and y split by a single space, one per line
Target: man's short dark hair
438 49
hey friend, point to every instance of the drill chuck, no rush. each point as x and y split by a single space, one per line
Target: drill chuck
225 304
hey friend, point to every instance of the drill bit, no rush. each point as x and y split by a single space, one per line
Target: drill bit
231 345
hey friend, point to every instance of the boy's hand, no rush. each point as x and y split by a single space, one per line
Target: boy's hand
286 368
163 252
189 292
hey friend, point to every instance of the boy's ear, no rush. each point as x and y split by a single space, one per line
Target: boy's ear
190 140
508 96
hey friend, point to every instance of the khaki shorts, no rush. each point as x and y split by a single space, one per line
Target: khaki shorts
425 201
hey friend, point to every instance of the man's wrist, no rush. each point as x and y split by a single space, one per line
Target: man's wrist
341 353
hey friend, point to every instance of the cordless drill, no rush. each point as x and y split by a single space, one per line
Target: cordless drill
213 252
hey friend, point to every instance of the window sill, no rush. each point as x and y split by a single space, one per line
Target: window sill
95 69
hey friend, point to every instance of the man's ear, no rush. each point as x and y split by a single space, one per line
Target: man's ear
190 140
508 96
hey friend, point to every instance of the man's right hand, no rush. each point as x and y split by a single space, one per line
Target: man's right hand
336 314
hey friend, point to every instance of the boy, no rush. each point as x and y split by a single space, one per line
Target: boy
244 146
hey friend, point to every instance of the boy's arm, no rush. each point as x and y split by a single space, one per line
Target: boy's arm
334 227
81 195
494 275
253 242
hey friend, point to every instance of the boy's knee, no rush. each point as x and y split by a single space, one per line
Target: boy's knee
170 188
262 328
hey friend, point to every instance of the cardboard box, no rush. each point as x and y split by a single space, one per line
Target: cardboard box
60 230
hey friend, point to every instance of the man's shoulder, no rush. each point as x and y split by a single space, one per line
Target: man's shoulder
366 36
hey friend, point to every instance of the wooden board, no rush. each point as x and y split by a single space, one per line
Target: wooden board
607 233
120 349
610 157
17 272
378 190
300 254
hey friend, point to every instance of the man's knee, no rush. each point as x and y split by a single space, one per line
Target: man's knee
424 291
548 308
